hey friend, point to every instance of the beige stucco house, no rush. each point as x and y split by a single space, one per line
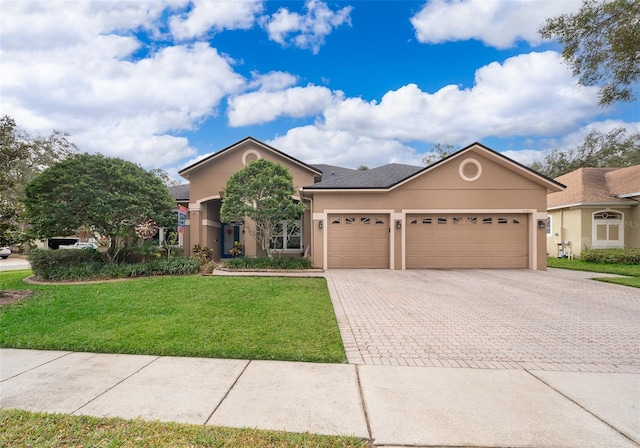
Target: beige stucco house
474 209
598 209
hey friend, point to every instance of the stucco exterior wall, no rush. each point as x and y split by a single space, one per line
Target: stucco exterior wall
208 181
440 189
632 226
576 225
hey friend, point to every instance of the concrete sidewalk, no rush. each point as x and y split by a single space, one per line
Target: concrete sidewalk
391 406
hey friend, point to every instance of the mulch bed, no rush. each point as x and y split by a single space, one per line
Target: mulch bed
13 296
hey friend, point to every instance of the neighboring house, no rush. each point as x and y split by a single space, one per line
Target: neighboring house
473 209
599 209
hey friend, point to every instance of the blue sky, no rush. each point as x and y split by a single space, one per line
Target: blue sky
165 83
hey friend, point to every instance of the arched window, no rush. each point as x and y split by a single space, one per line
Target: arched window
608 229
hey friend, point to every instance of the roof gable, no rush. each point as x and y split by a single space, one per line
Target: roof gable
391 176
185 172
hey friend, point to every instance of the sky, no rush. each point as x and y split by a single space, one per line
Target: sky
164 83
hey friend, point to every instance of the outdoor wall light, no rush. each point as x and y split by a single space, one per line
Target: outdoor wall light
398 224
320 224
542 224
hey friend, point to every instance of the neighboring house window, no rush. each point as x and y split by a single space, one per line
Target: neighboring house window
549 225
289 236
608 229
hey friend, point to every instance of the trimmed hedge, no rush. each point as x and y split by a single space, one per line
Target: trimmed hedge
87 264
265 263
617 256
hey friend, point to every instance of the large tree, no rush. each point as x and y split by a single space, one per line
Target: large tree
601 45
599 150
23 157
106 195
262 191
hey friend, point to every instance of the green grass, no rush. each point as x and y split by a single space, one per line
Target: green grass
22 428
632 271
214 317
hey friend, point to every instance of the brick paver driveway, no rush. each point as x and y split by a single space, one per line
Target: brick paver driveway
496 319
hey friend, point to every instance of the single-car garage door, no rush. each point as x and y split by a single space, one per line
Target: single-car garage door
467 241
358 241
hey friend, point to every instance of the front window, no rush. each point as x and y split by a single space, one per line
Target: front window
289 236
608 229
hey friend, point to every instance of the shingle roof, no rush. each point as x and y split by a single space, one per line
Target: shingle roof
332 171
624 181
595 185
381 177
180 192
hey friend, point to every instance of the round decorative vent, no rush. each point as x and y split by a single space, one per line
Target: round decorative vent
470 170
250 155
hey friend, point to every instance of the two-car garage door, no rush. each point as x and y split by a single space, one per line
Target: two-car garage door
443 241
467 241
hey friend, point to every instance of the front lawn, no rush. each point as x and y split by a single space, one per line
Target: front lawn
215 317
632 271
22 428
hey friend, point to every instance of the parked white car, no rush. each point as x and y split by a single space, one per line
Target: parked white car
5 251
79 245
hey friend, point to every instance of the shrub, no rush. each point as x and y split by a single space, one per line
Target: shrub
265 263
49 264
201 254
617 256
70 265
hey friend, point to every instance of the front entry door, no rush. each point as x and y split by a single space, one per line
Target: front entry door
230 234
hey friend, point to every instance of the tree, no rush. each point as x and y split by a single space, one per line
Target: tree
438 152
599 150
262 192
107 195
22 157
164 177
363 168
601 45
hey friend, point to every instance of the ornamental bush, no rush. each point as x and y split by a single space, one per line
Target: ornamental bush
86 264
265 263
617 256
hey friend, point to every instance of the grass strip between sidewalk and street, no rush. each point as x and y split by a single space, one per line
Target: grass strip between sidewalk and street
630 271
266 318
23 428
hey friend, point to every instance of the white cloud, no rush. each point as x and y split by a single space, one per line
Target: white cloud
264 106
524 156
529 94
48 24
86 82
272 81
496 23
306 31
208 15
342 148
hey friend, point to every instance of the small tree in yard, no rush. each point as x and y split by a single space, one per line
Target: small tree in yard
262 192
107 195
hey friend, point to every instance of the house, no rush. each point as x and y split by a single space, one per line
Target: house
599 209
473 209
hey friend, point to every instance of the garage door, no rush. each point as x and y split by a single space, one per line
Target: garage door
358 241
467 241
